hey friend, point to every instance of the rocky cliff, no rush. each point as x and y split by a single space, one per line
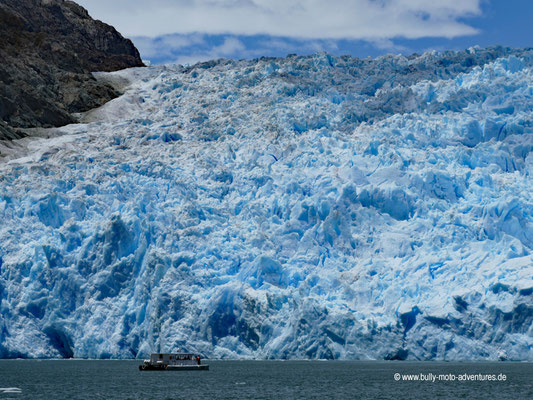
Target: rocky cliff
48 49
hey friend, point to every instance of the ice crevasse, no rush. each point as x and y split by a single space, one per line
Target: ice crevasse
299 207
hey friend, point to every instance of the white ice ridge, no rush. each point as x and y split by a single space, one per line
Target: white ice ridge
307 207
10 390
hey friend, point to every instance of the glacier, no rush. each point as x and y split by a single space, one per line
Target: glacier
304 207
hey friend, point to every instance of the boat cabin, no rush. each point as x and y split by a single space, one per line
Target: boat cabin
173 362
174 359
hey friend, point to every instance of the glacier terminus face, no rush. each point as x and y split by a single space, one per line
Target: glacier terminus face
306 207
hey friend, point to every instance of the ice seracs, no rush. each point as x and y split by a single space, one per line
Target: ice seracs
307 207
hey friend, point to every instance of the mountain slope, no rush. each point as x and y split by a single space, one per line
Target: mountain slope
48 50
307 207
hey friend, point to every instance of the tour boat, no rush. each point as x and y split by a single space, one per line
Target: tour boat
173 362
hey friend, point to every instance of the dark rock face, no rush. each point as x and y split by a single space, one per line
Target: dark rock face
48 49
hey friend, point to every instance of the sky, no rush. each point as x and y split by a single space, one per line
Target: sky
188 31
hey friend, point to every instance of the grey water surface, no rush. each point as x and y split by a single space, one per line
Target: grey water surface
109 379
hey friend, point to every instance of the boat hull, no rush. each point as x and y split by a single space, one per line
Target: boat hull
174 367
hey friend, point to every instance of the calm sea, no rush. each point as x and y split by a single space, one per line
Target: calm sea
88 379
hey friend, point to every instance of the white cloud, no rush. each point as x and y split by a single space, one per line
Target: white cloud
332 19
388 45
166 46
295 46
230 47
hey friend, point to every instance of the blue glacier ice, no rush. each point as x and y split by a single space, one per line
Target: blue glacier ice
305 207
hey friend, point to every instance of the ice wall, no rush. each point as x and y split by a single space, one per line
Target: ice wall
307 207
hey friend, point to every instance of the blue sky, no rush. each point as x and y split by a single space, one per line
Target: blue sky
187 31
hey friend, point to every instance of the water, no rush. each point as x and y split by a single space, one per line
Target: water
88 379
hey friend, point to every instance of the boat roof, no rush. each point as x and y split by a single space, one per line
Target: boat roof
175 354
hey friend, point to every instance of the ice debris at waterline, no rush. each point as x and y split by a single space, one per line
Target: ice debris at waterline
306 207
